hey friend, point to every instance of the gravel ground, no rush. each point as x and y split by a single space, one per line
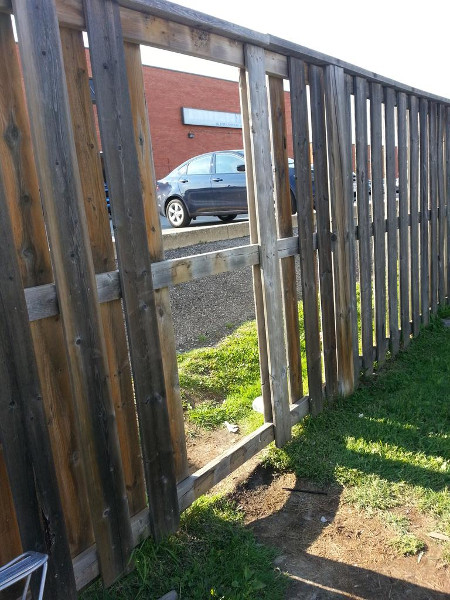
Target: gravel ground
206 310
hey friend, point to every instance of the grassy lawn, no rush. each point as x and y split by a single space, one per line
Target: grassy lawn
388 445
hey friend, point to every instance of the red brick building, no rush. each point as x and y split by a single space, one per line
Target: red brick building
167 93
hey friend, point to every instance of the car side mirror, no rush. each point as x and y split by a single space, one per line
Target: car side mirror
241 168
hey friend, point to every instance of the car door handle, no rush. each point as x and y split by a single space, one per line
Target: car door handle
217 179
184 180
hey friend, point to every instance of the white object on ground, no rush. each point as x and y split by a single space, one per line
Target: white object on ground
232 428
258 404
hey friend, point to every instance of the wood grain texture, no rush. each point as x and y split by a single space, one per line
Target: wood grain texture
322 205
442 208
155 243
22 195
23 426
378 220
308 264
404 220
414 204
126 196
48 107
254 239
433 158
283 205
424 208
392 218
341 188
258 111
447 199
364 223
103 257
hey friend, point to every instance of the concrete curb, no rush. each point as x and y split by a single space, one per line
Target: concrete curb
173 239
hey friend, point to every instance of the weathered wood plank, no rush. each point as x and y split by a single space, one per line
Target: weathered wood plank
404 224
154 236
447 200
283 204
322 204
392 233
258 111
180 270
349 89
102 249
424 208
442 216
414 204
341 188
308 264
364 225
22 195
378 221
432 123
55 154
254 239
126 196
23 426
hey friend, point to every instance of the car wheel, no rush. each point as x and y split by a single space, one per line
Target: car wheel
227 218
293 203
177 214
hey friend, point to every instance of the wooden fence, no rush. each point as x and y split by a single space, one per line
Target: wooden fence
93 455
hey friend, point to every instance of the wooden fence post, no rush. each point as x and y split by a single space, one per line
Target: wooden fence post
270 266
365 243
322 204
442 205
300 135
414 201
341 182
256 269
424 212
23 426
392 221
284 222
40 47
379 223
403 202
155 242
125 187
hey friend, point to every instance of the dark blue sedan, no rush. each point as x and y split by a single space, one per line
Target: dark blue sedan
211 184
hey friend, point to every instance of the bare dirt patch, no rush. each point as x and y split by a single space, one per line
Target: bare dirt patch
330 549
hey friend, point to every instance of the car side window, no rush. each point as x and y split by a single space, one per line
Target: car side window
200 166
228 163
183 170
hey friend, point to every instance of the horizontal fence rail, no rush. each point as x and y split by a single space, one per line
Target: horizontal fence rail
97 359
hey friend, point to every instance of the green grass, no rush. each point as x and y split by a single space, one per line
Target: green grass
220 383
388 444
212 556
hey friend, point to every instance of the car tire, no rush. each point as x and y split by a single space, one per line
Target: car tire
227 218
293 203
177 214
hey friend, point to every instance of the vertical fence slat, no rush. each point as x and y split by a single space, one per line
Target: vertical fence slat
322 204
349 84
392 236
46 92
442 205
154 235
365 258
254 239
433 208
300 135
284 211
104 260
270 267
414 203
22 194
23 426
122 173
378 220
404 219
341 187
447 198
424 212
